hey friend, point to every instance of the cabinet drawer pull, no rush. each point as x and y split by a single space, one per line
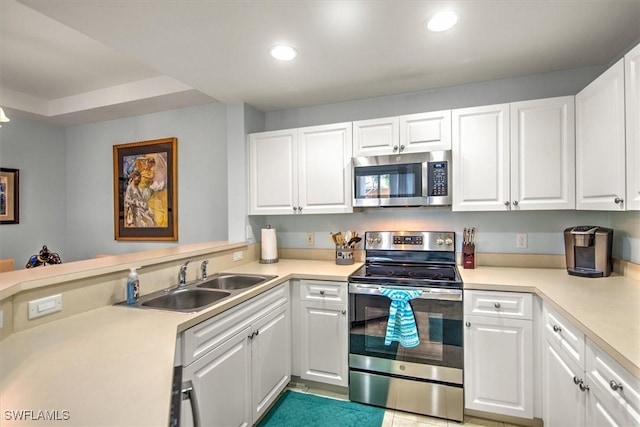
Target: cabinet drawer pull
615 386
557 328
322 292
497 306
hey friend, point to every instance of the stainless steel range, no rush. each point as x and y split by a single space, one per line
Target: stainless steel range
405 336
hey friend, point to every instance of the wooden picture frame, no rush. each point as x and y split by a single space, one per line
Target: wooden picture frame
145 190
9 196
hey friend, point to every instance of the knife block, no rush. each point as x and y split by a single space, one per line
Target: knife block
469 256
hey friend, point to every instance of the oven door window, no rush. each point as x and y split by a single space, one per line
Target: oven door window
439 325
388 181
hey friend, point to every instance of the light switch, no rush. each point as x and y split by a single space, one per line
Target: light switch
43 306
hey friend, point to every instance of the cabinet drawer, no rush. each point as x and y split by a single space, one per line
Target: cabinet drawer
499 304
319 290
617 386
560 331
204 337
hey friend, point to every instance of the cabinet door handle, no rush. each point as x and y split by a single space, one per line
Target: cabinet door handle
344 312
576 380
188 392
497 306
557 328
507 203
300 209
515 203
583 386
295 209
467 324
395 148
615 386
401 147
618 200
253 335
322 292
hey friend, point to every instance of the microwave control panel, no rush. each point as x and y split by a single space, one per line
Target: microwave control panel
438 179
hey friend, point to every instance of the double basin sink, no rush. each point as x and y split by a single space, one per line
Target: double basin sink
198 295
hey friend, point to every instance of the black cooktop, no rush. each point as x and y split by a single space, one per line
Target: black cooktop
408 274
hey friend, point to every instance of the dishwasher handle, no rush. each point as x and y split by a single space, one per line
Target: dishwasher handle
188 392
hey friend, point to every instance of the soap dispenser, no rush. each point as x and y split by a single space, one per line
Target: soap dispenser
133 286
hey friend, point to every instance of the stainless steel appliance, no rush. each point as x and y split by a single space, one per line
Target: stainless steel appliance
426 378
421 179
588 250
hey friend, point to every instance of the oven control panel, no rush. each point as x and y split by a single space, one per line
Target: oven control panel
410 240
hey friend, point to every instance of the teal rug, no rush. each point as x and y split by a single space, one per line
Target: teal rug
295 409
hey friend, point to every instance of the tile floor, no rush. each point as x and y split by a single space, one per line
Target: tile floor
394 418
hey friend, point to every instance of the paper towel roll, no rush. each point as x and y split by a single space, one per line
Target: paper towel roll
269 252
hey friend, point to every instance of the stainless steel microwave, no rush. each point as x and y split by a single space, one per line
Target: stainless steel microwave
420 179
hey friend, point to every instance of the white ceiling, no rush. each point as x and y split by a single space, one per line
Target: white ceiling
70 62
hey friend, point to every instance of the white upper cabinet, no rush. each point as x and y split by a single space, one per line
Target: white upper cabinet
306 170
273 172
425 132
413 133
481 158
376 137
632 97
600 142
324 169
517 156
543 154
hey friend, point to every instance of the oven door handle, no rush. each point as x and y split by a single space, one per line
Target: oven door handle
427 293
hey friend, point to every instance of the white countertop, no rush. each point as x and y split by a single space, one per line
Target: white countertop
113 365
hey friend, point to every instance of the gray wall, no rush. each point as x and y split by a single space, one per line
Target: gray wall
202 178
496 231
38 151
534 86
67 178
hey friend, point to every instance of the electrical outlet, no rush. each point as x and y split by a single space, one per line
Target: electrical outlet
521 240
309 239
237 256
43 306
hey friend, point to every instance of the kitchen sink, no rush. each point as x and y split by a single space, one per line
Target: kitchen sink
188 299
200 294
231 281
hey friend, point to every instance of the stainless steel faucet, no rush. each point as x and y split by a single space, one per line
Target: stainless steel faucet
182 275
203 268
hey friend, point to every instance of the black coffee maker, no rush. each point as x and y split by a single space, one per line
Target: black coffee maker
588 250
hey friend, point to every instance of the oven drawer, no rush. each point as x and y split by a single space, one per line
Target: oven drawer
320 290
499 304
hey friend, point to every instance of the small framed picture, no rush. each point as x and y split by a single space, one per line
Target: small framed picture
9 196
145 187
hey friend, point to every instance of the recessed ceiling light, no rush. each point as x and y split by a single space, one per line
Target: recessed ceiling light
283 53
442 21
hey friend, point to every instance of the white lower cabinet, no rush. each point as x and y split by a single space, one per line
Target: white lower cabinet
322 337
239 361
581 385
498 364
563 400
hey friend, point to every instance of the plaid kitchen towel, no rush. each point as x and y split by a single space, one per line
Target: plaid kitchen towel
401 325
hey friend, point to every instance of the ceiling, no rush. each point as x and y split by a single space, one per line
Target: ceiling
69 62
